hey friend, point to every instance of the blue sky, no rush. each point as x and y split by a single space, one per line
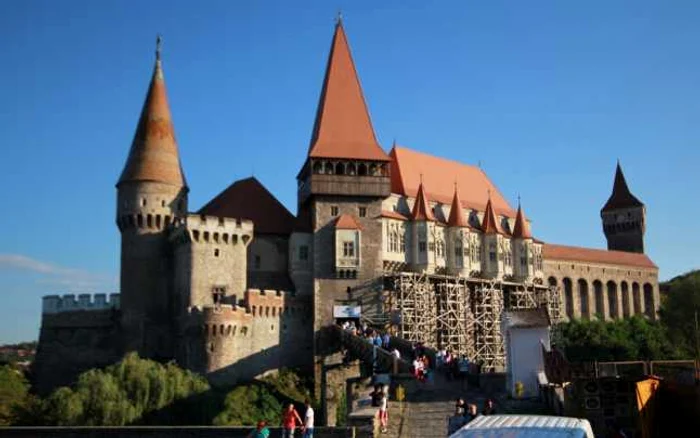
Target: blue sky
547 95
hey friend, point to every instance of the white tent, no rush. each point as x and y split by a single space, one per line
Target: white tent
524 332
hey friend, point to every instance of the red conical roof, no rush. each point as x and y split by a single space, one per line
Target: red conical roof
457 218
621 196
521 229
490 224
421 208
154 155
343 128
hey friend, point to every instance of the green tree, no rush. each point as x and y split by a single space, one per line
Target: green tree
121 394
14 391
679 310
248 404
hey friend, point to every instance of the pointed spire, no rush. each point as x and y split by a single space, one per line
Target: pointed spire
490 224
421 208
154 155
457 218
621 196
343 128
521 229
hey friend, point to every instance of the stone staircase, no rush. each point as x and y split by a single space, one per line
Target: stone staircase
428 406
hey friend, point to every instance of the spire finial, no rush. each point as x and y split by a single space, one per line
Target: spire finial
421 177
159 44
518 200
479 164
339 17
488 191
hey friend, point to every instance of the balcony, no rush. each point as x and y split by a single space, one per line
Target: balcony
347 185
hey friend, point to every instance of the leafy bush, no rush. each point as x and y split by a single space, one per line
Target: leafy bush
634 338
121 393
14 391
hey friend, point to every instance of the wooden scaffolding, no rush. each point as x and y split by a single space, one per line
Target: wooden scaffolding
461 314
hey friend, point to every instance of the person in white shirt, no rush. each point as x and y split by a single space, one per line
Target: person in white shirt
383 412
308 420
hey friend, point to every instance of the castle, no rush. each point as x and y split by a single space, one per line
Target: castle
424 245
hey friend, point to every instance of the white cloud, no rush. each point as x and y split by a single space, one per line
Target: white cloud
69 280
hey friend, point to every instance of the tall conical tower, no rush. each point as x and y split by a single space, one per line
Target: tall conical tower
151 194
624 217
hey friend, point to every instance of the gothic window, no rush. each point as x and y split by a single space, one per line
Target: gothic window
492 256
507 257
363 211
334 210
348 249
523 262
421 246
340 169
362 169
303 252
318 167
402 242
458 248
351 169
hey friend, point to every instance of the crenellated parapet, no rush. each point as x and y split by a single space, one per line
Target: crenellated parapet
202 229
52 304
275 303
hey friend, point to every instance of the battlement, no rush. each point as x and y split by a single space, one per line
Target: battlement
212 229
52 304
274 303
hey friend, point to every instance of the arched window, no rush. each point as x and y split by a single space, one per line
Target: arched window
340 169
552 281
612 299
328 168
599 299
649 309
624 289
568 298
362 169
583 296
318 167
351 169
636 299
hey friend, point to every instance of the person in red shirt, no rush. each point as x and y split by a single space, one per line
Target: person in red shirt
290 418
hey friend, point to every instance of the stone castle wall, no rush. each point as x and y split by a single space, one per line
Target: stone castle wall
232 343
74 337
209 254
613 291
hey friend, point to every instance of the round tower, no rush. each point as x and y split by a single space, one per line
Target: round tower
151 194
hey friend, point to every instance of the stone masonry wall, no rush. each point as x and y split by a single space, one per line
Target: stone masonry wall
71 342
586 289
236 343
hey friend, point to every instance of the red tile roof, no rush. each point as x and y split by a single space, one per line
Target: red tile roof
343 128
621 196
393 215
490 225
153 155
347 222
249 199
421 208
590 255
457 218
521 229
440 174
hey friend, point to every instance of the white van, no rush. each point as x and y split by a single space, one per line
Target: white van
525 426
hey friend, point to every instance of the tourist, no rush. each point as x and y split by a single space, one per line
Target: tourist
489 409
308 420
396 353
471 413
383 411
460 407
261 431
290 418
386 340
